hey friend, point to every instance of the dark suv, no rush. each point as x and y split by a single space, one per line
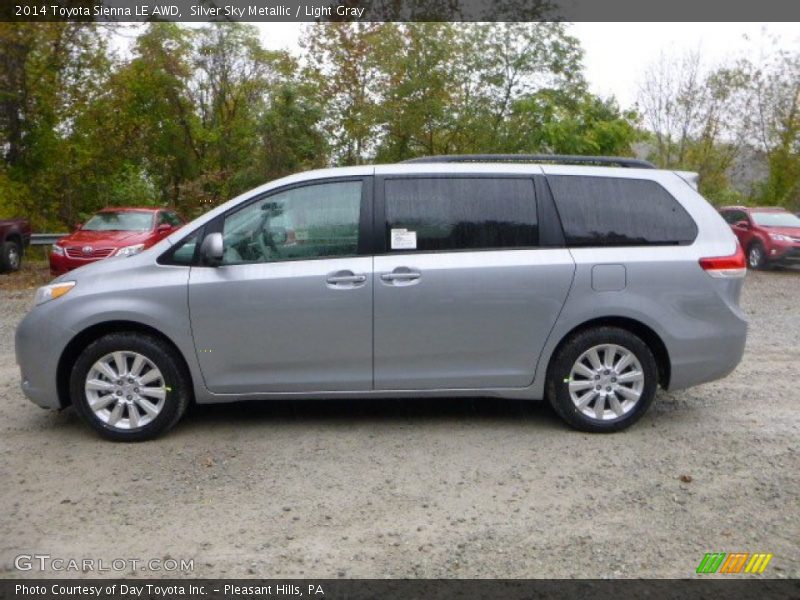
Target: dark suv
768 235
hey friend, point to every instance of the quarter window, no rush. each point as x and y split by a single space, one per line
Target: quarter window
448 214
608 211
313 221
182 253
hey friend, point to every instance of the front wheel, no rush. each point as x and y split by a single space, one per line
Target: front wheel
756 256
129 386
10 256
602 379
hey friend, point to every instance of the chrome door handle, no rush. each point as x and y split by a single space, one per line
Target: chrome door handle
401 276
336 279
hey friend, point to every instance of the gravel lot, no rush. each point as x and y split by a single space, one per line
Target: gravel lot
433 488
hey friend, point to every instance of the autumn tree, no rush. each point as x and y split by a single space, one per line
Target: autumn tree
695 116
776 126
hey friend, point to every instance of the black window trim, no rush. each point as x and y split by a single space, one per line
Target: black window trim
380 239
216 224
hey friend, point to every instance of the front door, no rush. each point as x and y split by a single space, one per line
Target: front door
290 307
464 297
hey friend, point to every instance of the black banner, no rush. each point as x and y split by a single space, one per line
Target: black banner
398 10
734 588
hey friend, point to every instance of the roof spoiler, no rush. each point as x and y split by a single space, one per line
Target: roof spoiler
690 177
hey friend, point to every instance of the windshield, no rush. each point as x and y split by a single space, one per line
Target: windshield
775 219
120 221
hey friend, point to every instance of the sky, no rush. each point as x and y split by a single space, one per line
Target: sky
616 54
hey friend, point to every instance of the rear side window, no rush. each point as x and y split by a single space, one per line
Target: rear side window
608 211
449 214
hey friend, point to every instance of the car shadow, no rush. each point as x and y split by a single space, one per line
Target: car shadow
361 411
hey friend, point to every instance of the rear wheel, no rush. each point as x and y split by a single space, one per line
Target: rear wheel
602 379
756 256
10 256
129 386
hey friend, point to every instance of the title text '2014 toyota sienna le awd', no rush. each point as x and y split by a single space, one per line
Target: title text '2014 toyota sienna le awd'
586 281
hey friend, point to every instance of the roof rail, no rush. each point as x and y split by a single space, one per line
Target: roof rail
569 159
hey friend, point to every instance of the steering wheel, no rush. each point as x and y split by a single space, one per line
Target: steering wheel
266 245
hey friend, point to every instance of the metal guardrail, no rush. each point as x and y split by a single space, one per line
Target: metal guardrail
45 239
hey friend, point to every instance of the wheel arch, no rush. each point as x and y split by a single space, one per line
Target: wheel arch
16 238
80 341
646 333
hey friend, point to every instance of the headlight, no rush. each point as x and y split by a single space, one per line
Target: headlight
778 237
130 250
52 291
57 250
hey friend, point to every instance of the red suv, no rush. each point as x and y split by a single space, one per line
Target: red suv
112 232
768 235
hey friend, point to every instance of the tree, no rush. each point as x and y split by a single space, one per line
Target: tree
776 126
695 116
551 121
342 72
49 74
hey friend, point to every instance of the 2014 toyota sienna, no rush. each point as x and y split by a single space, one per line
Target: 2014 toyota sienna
586 281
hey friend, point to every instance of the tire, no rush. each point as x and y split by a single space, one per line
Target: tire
10 257
756 256
151 365
616 407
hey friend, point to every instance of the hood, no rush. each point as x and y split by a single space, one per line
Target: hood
107 238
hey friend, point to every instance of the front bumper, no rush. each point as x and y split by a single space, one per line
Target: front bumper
39 342
785 254
64 264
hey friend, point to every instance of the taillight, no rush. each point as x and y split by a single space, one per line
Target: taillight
726 267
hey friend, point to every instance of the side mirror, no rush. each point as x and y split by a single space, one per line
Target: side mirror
212 249
163 227
77 226
743 224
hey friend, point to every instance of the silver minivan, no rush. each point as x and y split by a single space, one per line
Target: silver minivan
583 280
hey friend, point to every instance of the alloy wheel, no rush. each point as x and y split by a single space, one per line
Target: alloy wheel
125 390
755 256
606 382
13 258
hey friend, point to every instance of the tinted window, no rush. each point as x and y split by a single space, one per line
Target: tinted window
429 214
607 211
313 221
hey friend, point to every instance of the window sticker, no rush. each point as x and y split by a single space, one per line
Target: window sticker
403 239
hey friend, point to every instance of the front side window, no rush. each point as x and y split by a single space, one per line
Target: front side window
120 221
313 221
469 213
736 216
168 218
610 211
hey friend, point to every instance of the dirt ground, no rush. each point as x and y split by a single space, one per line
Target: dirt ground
434 488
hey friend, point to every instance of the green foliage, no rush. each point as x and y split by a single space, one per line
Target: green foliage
567 123
192 116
